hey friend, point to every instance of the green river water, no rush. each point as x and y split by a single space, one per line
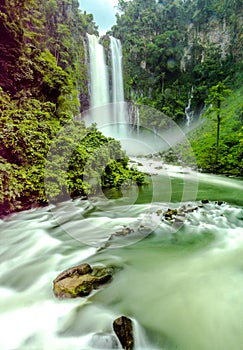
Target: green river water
181 283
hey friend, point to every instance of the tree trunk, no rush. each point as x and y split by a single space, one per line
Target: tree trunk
218 133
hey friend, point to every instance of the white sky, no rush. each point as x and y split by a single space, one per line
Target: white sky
103 11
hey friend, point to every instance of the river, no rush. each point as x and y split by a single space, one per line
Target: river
181 283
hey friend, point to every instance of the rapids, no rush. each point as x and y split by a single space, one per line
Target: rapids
181 284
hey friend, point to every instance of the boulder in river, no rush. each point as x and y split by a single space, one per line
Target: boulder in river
205 201
124 330
79 281
170 214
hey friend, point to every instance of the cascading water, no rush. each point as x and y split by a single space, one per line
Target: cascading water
188 112
117 80
107 100
99 82
134 116
183 289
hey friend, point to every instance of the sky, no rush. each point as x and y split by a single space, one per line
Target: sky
103 11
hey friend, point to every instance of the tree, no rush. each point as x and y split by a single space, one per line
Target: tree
215 98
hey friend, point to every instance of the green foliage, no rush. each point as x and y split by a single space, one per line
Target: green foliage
204 138
83 161
215 98
43 86
171 46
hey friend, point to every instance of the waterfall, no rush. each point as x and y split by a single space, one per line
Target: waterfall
106 91
134 117
188 112
99 82
117 80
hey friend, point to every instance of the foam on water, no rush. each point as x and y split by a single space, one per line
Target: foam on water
181 285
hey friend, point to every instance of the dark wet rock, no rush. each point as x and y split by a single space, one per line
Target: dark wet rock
177 215
219 202
205 201
170 213
104 341
124 330
79 281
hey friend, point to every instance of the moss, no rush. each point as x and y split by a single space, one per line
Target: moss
73 283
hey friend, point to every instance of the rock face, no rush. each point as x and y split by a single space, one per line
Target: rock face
79 281
124 331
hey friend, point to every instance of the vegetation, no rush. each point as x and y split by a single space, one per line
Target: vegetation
214 101
43 88
223 155
178 49
171 47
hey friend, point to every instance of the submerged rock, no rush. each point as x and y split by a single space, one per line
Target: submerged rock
104 341
180 219
79 281
124 231
124 330
126 234
191 210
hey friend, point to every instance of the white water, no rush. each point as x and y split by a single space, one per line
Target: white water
99 81
188 112
119 111
108 109
117 74
182 287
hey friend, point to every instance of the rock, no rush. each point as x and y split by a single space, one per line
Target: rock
191 210
82 269
219 202
140 232
124 231
104 341
170 213
79 281
124 330
205 201
146 229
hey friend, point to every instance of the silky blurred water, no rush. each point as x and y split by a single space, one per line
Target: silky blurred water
182 284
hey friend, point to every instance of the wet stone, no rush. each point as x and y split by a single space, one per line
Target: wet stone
104 341
80 281
124 330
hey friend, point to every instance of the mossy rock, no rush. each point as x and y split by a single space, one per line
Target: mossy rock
79 281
